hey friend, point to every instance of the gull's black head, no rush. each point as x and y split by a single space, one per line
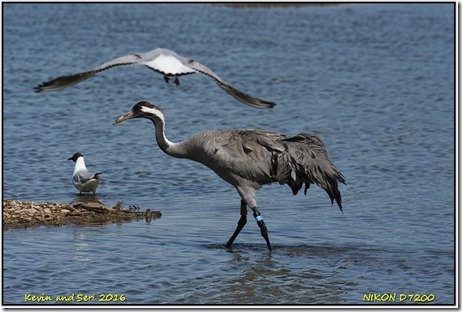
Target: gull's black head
75 157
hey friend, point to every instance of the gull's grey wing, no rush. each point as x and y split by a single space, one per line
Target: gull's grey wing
237 94
69 80
83 176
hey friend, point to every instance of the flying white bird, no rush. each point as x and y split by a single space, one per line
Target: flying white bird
248 159
82 179
163 61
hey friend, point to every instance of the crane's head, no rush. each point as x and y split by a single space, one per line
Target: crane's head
140 110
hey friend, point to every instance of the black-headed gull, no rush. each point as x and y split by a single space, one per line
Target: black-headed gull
163 61
82 179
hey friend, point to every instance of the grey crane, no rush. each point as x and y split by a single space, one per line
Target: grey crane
248 159
163 61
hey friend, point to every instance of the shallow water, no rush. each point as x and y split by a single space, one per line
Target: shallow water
376 82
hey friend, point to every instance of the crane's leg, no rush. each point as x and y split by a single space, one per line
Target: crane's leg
261 224
240 224
248 197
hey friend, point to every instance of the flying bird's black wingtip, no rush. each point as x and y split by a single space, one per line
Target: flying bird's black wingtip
38 88
263 104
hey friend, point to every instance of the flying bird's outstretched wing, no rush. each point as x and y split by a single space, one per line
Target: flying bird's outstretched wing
237 94
69 80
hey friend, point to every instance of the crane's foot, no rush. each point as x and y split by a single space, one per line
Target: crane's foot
240 224
261 224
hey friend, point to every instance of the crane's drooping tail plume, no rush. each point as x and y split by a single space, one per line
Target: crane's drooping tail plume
298 159
312 165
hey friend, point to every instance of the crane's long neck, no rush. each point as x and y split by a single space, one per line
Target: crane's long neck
170 148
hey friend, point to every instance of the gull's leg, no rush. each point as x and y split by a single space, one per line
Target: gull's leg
166 78
240 224
176 81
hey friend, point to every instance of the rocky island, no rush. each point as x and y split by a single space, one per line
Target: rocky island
25 214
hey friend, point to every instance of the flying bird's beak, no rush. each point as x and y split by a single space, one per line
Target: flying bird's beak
128 115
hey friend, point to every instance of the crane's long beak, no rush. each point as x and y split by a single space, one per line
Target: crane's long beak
128 115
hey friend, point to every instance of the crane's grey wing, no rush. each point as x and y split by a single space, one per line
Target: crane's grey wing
237 94
243 154
312 165
69 80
